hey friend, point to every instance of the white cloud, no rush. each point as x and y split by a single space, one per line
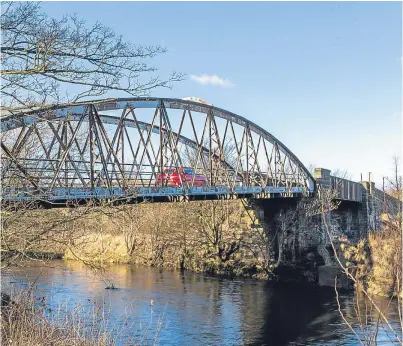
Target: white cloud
205 79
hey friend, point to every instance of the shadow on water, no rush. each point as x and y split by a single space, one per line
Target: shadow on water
280 314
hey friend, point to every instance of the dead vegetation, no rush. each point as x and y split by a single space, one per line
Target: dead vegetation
28 321
209 236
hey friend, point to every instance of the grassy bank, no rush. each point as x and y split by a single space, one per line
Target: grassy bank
210 236
215 237
377 261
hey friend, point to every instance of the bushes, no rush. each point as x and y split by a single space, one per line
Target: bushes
358 260
208 236
376 262
386 255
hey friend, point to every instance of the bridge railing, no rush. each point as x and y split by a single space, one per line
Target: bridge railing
77 173
347 190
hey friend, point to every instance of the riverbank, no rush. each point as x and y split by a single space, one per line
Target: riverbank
377 261
214 237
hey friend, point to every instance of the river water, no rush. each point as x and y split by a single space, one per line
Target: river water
182 308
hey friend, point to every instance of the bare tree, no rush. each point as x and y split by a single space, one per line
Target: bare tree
287 222
28 232
394 185
311 168
338 172
42 58
45 62
384 249
342 173
220 228
131 220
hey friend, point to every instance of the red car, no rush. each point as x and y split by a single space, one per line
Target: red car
173 177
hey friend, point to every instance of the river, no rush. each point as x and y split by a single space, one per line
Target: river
182 308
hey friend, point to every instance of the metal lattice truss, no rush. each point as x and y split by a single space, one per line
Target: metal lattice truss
122 147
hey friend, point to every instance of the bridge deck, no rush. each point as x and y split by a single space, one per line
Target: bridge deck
157 194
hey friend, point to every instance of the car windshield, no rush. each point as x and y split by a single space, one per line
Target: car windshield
188 171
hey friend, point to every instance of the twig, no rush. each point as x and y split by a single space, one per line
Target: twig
342 314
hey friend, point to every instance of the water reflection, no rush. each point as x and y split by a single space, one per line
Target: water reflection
200 310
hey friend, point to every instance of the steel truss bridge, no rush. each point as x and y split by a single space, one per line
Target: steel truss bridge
118 148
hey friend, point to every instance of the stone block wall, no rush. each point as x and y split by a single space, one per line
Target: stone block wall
322 177
385 203
353 219
375 204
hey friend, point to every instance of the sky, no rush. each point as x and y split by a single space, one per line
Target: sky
325 78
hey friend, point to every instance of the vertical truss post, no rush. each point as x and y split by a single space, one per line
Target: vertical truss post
161 146
44 165
92 139
168 160
81 153
199 152
122 146
275 164
210 149
59 153
145 144
66 167
66 149
215 159
170 140
109 147
239 157
101 150
247 156
252 159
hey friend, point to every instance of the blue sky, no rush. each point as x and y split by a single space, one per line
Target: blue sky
324 78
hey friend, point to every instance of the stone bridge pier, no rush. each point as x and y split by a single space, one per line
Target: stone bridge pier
358 212
355 212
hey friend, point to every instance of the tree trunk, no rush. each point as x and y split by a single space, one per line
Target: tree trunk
280 250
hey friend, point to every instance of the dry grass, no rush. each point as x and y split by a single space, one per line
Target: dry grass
25 322
212 236
102 247
376 261
386 255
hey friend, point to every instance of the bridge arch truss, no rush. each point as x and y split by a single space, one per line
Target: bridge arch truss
120 147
